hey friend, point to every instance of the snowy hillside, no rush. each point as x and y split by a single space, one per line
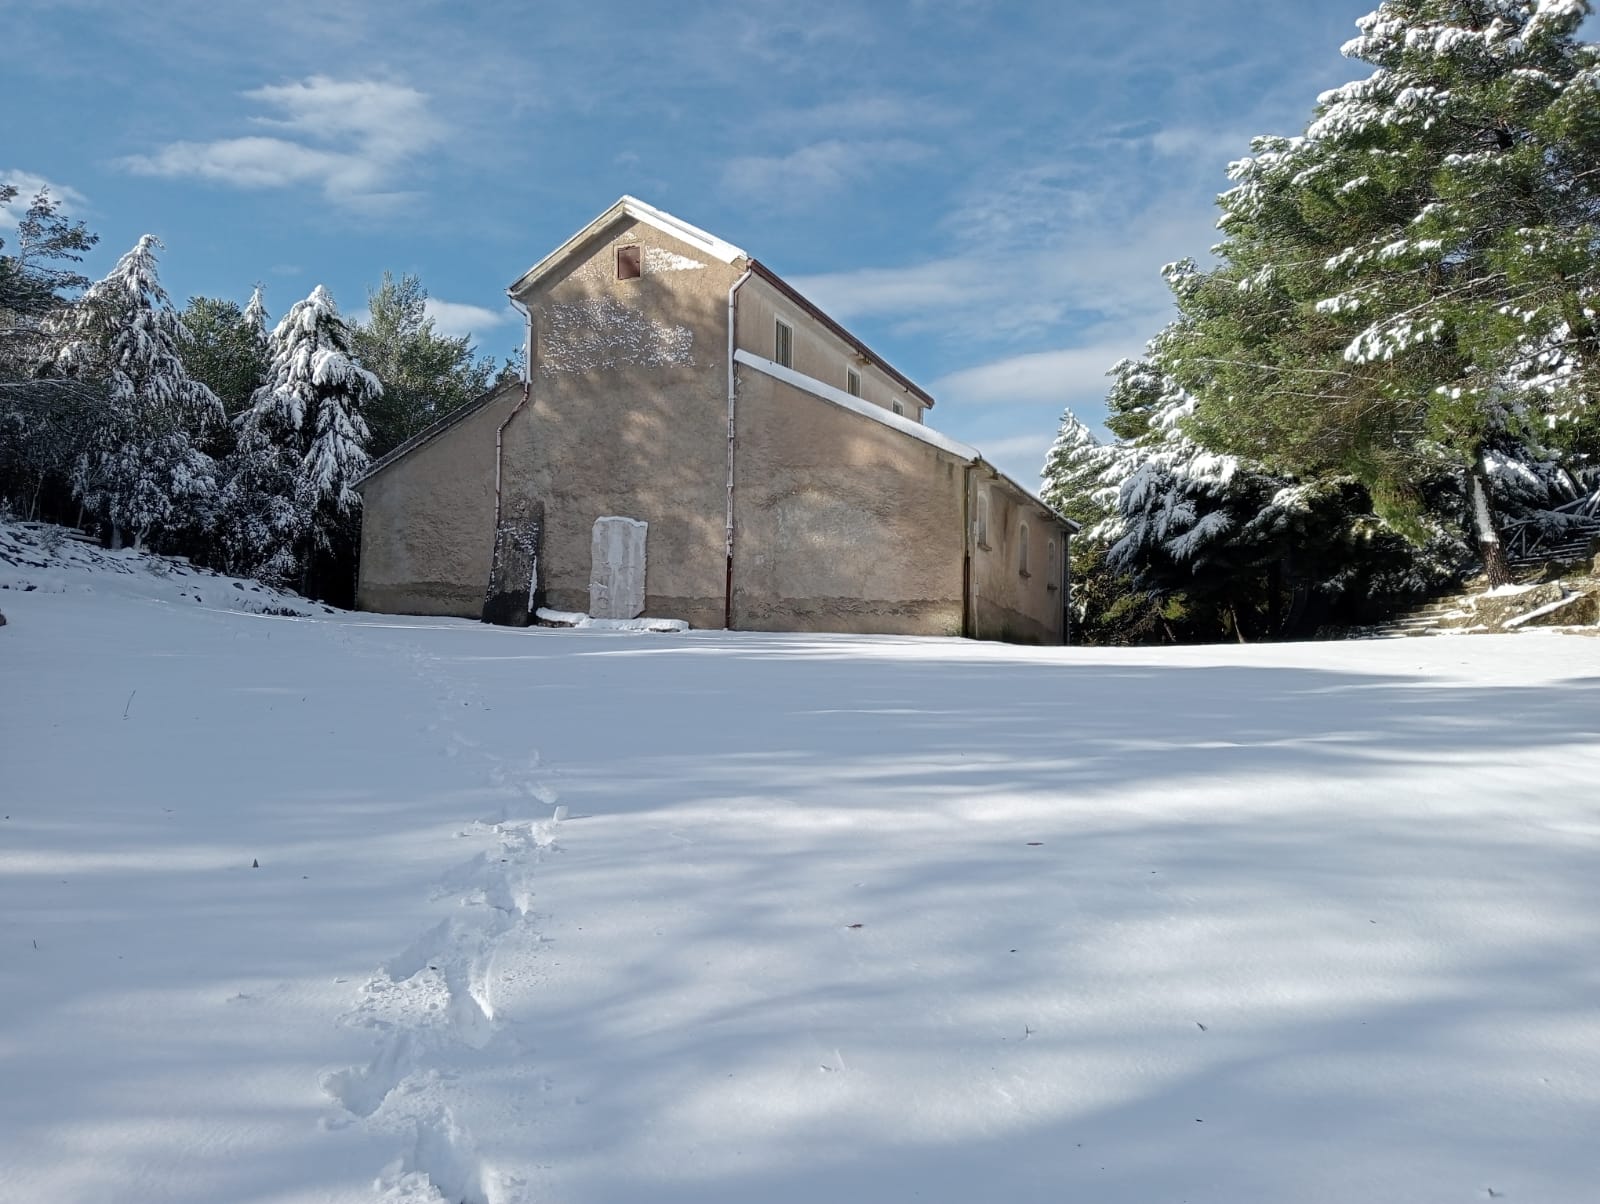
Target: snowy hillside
337 908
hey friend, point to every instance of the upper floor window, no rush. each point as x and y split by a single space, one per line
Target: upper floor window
783 344
852 382
1052 566
1022 549
628 261
899 408
980 528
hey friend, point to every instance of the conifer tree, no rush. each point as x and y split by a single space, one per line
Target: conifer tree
44 417
1413 282
143 470
425 374
227 349
301 446
254 319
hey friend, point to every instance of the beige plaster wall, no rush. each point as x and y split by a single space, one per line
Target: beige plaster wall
628 417
818 352
1008 604
427 525
841 524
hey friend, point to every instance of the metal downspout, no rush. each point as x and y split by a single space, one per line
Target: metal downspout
727 589
1066 587
967 617
527 389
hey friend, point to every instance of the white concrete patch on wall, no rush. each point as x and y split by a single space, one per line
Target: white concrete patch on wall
616 582
659 259
604 333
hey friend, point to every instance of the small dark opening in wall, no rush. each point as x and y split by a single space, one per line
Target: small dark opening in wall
628 263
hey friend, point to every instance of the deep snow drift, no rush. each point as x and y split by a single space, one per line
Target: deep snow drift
287 912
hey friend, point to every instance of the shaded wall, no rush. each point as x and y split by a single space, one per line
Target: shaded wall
841 524
1009 601
427 523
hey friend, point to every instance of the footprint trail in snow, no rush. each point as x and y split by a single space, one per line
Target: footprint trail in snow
431 1008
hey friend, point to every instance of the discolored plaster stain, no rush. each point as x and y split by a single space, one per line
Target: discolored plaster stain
584 336
659 259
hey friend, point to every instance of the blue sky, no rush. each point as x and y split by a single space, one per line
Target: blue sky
984 190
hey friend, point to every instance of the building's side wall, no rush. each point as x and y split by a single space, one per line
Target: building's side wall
1008 602
628 417
427 523
818 352
841 524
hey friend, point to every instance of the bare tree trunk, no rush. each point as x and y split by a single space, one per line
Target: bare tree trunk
1233 616
1495 565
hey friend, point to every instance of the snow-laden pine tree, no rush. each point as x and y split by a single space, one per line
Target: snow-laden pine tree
1080 473
1221 543
1082 478
425 374
44 418
143 470
254 318
302 444
1415 279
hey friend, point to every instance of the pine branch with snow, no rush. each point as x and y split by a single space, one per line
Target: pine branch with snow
144 470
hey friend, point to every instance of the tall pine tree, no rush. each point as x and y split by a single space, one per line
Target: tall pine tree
1413 282
44 417
143 470
425 374
302 444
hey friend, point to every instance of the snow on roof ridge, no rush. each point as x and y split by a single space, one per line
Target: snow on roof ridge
688 231
631 206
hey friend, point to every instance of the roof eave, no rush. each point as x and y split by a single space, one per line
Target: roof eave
812 308
637 210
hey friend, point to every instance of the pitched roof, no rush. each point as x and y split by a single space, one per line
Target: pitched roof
428 433
726 252
795 295
636 209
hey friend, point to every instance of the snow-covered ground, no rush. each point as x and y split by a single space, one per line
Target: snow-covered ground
287 912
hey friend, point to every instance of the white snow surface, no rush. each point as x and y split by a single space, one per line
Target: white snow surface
576 618
287 913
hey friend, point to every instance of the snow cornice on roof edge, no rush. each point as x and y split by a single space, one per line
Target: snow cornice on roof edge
898 422
631 207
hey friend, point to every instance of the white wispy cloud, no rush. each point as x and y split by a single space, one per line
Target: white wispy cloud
353 139
455 318
1055 377
28 185
815 171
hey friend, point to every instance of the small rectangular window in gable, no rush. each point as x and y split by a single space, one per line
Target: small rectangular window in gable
783 344
852 382
899 408
628 261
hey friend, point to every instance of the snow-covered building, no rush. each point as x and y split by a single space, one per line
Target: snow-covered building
697 440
